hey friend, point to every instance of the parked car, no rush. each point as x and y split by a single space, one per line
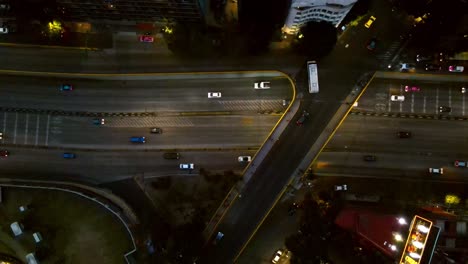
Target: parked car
369 158
411 88
99 121
445 109
397 98
244 158
343 187
404 134
262 85
436 170
66 87
369 22
68 155
459 163
187 166
456 68
156 130
214 95
432 67
4 153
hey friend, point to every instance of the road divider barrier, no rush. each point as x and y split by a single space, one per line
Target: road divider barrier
409 115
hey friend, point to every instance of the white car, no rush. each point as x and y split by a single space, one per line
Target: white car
277 256
3 30
436 170
186 166
456 68
262 85
244 158
397 98
214 95
343 187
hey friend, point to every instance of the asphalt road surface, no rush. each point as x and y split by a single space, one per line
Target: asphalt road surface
434 144
431 95
97 167
337 75
158 95
178 132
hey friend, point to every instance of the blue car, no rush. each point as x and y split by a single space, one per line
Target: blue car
138 139
69 155
98 121
66 87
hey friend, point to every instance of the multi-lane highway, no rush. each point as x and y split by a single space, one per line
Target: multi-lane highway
434 143
421 96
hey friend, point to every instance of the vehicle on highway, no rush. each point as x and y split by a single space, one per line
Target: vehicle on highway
459 163
292 208
369 22
214 95
156 130
68 155
463 90
411 88
420 58
262 85
138 139
277 256
171 155
187 166
372 44
302 119
436 170
218 238
369 158
99 121
408 67
339 188
244 158
397 98
1 135
404 134
146 38
66 87
453 68
4 153
4 29
432 67
445 109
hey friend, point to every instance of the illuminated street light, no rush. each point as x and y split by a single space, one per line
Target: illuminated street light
402 221
397 237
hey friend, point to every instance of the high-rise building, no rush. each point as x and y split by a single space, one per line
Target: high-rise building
303 11
133 11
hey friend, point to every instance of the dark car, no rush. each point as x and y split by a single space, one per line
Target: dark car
156 130
171 155
372 44
445 109
4 153
369 158
302 119
69 155
432 67
404 134
66 87
99 121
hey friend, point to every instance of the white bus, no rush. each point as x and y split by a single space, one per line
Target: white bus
313 77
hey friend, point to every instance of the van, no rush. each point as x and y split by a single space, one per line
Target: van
171 155
138 139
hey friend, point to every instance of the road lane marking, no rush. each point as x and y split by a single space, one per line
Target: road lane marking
424 104
463 104
47 131
412 103
450 97
26 130
389 105
437 101
4 124
37 130
16 125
